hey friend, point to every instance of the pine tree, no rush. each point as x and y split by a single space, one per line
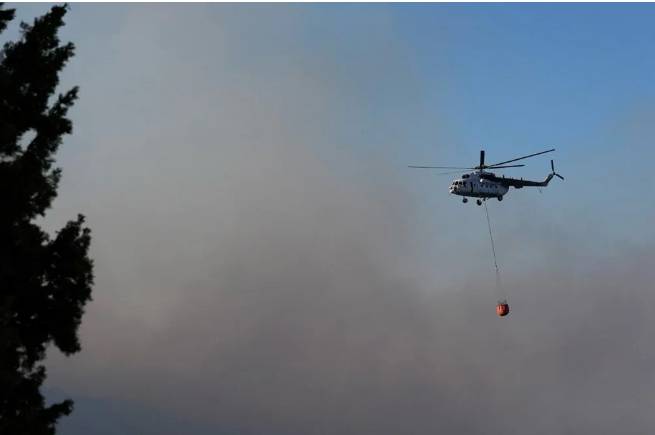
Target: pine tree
44 281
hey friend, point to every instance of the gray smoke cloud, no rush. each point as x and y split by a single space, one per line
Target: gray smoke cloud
256 273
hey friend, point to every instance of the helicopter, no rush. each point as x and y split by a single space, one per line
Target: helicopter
483 185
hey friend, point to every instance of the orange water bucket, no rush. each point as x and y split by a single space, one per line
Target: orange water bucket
502 309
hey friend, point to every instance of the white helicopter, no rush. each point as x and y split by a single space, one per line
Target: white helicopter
483 185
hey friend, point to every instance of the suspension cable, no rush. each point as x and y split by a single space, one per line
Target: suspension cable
493 249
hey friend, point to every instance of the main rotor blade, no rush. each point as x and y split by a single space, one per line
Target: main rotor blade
436 167
520 158
446 173
558 175
508 166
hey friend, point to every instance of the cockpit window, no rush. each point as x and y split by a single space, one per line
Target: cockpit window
465 176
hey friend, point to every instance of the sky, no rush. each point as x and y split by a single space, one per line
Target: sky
266 262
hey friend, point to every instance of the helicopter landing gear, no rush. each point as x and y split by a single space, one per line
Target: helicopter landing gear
479 202
465 200
500 198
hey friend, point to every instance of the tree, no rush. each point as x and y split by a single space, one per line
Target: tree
45 281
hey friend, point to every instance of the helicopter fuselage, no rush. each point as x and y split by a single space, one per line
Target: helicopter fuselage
477 186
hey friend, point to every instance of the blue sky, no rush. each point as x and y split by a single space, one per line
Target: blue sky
557 71
265 261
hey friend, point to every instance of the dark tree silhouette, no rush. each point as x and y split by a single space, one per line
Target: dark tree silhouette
44 282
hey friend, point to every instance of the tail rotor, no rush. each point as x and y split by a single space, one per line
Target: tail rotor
552 167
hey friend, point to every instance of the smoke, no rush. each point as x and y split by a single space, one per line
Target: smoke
261 270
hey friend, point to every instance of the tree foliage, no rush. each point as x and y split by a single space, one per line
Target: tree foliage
44 281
